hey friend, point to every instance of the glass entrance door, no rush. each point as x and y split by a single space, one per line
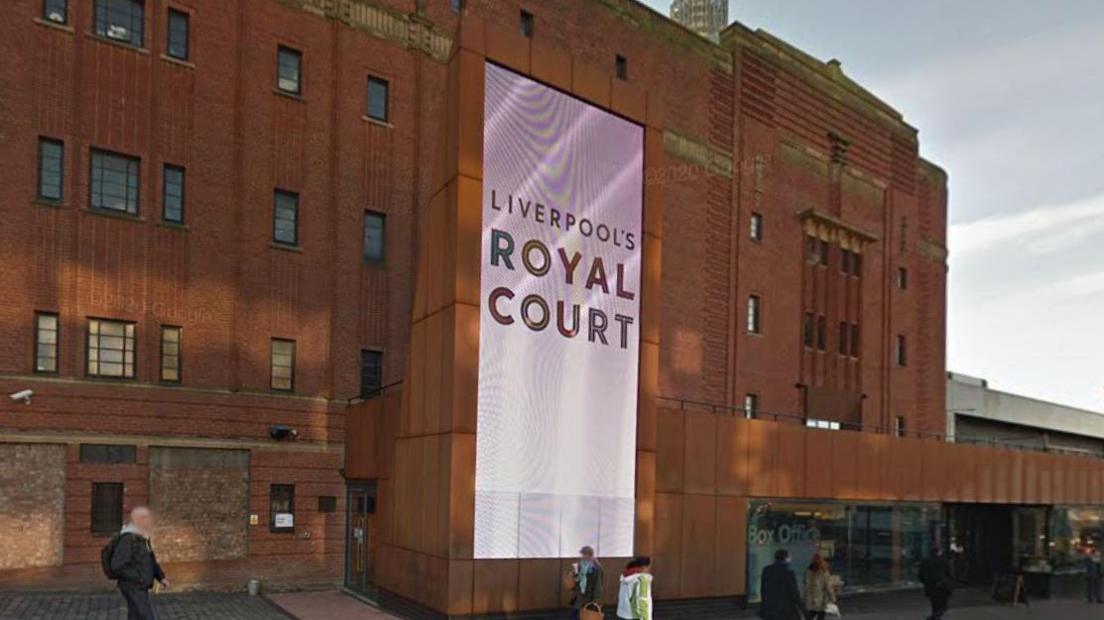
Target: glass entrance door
360 538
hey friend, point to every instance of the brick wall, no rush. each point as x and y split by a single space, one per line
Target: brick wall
32 496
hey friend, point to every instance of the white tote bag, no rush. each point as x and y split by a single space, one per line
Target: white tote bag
832 610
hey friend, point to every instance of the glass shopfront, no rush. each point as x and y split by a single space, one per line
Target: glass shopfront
1071 530
867 545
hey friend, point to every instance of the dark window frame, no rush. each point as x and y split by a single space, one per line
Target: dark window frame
899 428
171 14
821 333
133 350
272 365
755 226
165 170
900 351
366 390
101 9
102 522
108 454
844 338
63 5
290 489
282 51
856 340
808 331
754 323
38 342
137 169
179 355
621 67
752 411
378 82
44 142
902 278
277 194
375 216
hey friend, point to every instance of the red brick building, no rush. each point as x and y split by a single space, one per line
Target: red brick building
211 230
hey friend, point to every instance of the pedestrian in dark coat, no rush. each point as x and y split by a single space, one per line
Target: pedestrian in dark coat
589 578
135 566
1093 575
781 599
938 580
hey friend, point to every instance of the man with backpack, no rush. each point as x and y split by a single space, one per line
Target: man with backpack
129 560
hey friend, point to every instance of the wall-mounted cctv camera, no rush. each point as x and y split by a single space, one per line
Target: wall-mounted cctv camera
22 395
279 432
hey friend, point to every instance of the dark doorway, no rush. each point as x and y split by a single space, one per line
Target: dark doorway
361 538
981 542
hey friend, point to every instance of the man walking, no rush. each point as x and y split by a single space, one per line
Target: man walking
778 588
134 565
935 574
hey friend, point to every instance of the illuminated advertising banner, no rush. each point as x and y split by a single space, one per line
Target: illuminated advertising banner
559 324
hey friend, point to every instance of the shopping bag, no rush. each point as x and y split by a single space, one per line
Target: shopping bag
591 611
832 610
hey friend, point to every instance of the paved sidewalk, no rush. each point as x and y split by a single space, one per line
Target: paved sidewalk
110 606
327 605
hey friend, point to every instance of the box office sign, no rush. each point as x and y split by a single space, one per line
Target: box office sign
559 324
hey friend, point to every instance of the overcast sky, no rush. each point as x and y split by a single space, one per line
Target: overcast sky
1008 96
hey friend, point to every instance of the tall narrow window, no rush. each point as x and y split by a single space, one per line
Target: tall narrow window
56 11
107 508
526 23
899 426
120 20
285 220
374 240
845 261
901 354
46 342
110 349
51 169
753 305
371 372
621 67
172 194
822 333
281 508
289 70
114 182
807 330
856 264
854 340
751 405
816 251
844 338
283 365
177 46
902 278
378 98
755 229
170 354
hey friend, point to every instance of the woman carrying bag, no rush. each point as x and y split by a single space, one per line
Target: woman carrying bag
820 595
586 591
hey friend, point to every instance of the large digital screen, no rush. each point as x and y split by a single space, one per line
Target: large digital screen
559 324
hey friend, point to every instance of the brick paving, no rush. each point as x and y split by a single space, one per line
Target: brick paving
110 606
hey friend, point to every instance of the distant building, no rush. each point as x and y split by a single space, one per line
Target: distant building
978 414
705 17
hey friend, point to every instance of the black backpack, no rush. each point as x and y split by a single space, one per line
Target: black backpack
106 554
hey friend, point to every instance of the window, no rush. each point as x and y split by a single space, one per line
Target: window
46 342
822 333
285 221
170 354
527 24
899 426
755 230
110 349
621 67
844 338
854 340
374 249
751 405
114 185
753 314
100 454
107 508
283 365
816 251
172 194
56 11
281 508
902 278
845 262
51 169
120 20
900 354
177 46
807 330
371 372
378 96
289 66
327 503
456 5
825 425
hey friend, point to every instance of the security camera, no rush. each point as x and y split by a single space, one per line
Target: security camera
279 432
22 395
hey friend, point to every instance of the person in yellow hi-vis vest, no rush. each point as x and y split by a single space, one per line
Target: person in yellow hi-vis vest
634 599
